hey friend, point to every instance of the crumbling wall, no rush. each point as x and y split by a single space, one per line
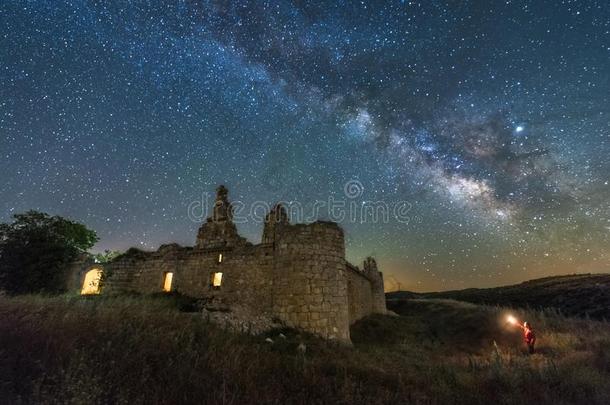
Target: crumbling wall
247 276
140 271
298 274
76 271
379 301
310 284
376 278
360 294
219 231
365 290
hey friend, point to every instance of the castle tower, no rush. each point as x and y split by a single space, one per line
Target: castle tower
219 231
310 281
274 221
223 210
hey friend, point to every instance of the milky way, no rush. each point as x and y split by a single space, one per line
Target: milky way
491 120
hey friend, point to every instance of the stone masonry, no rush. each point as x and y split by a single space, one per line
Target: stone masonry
297 274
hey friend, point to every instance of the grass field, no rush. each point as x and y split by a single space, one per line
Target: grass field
146 350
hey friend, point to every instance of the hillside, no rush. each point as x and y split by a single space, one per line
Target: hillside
574 295
149 350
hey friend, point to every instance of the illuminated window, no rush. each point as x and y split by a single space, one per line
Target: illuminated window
167 281
220 258
91 285
216 280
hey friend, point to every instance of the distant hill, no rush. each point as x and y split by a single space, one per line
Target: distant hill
574 295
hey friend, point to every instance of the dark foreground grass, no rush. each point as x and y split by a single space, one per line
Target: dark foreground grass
145 350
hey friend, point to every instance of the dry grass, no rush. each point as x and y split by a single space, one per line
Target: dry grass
144 350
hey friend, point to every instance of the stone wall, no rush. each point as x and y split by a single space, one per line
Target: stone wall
376 279
310 289
298 274
247 276
360 294
76 272
140 271
365 290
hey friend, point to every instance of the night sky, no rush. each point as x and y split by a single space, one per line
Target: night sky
491 119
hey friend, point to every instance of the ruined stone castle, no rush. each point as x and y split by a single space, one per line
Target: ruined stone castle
297 274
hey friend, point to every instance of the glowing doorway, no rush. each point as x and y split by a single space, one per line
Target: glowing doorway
92 282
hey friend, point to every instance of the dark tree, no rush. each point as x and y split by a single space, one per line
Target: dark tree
35 250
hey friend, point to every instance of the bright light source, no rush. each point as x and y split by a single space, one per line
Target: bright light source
217 279
167 282
519 128
91 284
511 319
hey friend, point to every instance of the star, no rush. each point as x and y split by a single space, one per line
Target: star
496 139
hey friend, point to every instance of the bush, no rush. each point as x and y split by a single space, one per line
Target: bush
35 250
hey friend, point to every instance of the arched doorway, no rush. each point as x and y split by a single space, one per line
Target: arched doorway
91 284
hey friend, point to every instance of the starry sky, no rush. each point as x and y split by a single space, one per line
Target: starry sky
490 119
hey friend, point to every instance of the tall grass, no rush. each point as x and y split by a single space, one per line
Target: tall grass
146 350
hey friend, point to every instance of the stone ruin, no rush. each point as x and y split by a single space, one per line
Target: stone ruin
297 276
